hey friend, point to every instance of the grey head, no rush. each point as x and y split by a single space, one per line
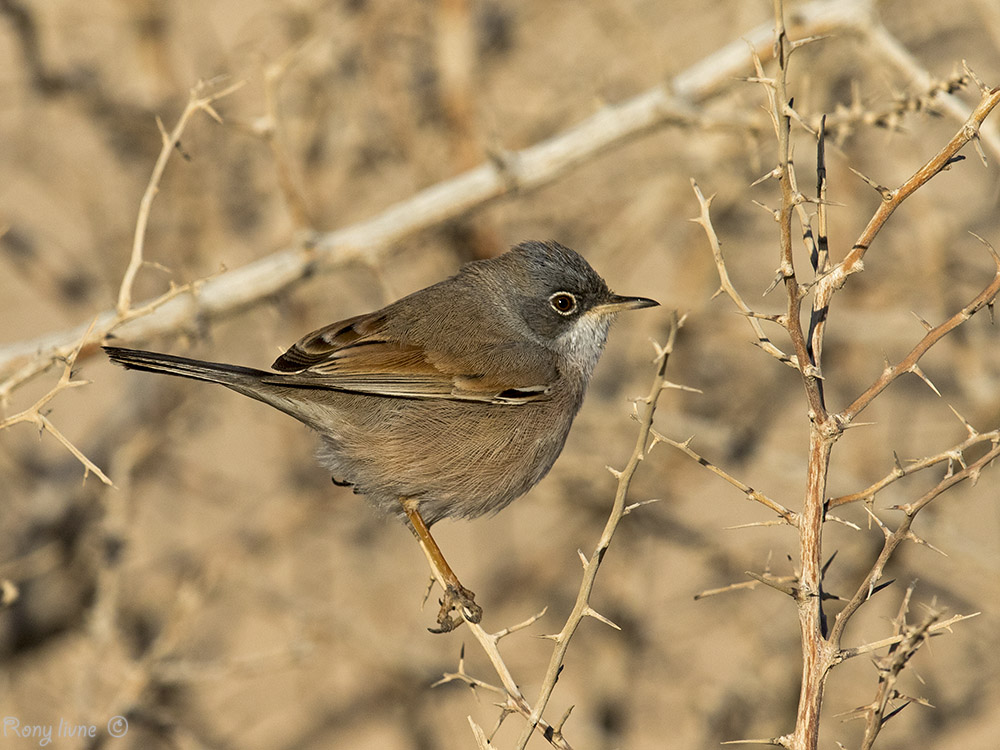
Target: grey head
557 299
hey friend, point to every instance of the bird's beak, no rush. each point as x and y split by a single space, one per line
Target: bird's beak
616 303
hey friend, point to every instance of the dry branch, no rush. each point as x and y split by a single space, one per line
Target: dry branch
582 608
822 650
511 172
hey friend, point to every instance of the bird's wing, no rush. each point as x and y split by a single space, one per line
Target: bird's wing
358 355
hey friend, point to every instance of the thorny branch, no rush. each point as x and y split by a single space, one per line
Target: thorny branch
822 650
36 414
514 701
582 608
201 99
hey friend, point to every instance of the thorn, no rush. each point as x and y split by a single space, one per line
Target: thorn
993 252
583 558
874 588
482 741
882 190
521 625
668 385
845 522
614 472
776 741
878 521
777 280
773 174
920 374
808 40
562 722
775 214
918 540
852 425
591 612
983 88
755 524
978 145
968 427
658 348
784 588
927 326
629 508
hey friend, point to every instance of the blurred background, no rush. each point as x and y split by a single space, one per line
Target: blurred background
226 594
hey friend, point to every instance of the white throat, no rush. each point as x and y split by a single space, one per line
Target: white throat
582 344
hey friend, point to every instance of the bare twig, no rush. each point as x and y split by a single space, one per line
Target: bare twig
704 220
788 516
903 533
200 100
853 262
515 702
909 362
36 414
582 608
953 455
513 172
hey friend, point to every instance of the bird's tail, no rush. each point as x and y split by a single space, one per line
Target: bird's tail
212 372
269 387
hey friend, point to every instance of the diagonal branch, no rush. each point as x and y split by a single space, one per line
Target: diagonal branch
909 362
511 172
582 608
899 471
704 220
853 262
903 533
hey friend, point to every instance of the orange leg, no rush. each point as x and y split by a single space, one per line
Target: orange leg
456 596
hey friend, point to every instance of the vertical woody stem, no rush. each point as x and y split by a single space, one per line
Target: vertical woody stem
816 651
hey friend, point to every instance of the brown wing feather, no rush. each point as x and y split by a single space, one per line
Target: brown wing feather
353 355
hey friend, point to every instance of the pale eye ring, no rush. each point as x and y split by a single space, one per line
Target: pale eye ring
563 303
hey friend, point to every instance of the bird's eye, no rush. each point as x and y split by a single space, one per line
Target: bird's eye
563 303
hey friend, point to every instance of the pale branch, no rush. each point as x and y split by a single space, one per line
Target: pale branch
36 415
879 39
788 516
841 122
909 362
514 702
849 653
512 172
970 130
200 100
744 586
890 666
903 533
781 113
954 454
704 220
582 607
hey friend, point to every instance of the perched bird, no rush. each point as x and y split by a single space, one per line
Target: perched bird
450 402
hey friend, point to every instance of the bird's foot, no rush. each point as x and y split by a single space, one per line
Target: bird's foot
457 603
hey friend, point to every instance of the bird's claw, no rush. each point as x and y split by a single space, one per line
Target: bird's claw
456 604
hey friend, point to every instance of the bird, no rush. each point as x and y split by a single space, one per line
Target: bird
450 402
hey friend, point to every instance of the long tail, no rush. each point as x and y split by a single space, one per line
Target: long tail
257 384
212 372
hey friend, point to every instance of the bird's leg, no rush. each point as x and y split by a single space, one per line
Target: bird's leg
456 596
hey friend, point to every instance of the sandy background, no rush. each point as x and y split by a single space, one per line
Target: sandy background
236 599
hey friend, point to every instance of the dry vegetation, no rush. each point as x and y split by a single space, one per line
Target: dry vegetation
224 594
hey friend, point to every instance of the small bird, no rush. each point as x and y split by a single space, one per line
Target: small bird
448 403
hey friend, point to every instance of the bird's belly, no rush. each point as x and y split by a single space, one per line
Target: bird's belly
460 459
